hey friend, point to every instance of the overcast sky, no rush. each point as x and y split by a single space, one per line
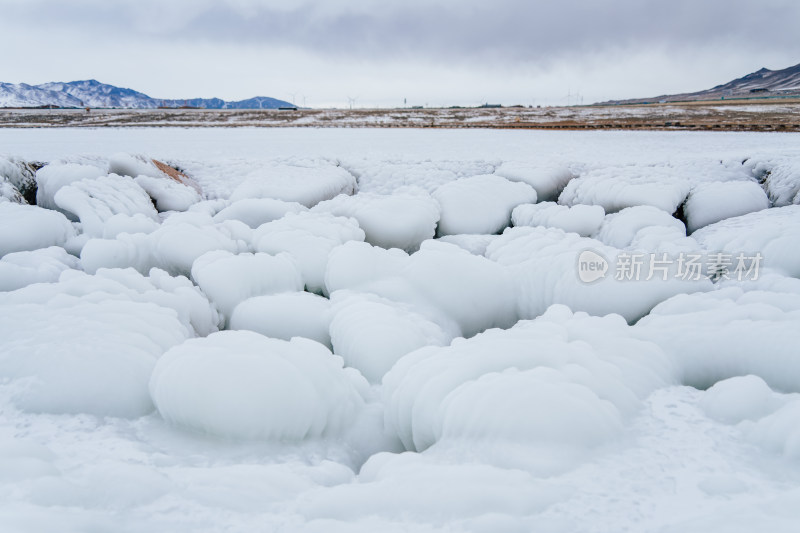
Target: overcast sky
380 52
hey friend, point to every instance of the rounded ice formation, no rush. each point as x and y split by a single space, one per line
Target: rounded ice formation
19 269
584 220
400 220
242 385
285 315
616 188
480 204
739 398
305 185
731 332
718 200
168 194
257 211
51 178
309 238
463 293
28 227
622 228
72 355
229 279
562 380
373 333
94 201
774 233
548 179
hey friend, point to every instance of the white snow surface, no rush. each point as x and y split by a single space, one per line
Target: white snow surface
469 383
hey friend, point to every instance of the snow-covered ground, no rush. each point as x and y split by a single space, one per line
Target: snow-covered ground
399 330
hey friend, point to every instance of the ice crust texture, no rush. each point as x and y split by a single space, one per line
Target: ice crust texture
388 343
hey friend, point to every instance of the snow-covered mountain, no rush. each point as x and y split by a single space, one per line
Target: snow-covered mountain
763 82
92 93
24 95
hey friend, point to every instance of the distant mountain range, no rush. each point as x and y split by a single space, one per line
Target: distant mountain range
762 83
92 93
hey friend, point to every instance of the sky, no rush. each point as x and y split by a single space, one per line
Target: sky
387 53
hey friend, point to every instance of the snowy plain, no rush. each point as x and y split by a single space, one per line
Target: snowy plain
387 330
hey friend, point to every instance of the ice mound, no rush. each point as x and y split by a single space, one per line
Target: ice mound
585 220
615 188
400 220
781 178
177 293
285 315
141 166
80 356
740 398
779 432
51 178
547 180
172 247
19 269
730 332
132 165
28 227
168 194
242 385
717 200
257 211
94 201
372 333
308 238
564 383
230 279
545 266
774 233
464 294
480 204
630 225
305 185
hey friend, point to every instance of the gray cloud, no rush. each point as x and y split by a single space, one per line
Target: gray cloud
506 30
